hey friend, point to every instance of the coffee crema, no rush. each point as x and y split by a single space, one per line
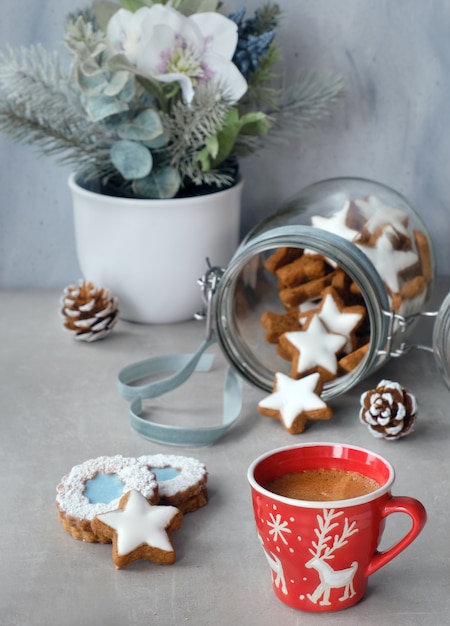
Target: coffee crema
320 485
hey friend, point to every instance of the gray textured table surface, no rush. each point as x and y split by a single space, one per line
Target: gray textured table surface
59 407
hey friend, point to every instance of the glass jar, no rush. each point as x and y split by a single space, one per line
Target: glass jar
373 251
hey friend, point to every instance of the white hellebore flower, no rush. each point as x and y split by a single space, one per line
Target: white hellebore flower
169 47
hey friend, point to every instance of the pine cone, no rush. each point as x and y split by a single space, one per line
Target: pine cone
89 312
389 410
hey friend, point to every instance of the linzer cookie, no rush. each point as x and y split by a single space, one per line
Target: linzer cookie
181 480
95 487
99 485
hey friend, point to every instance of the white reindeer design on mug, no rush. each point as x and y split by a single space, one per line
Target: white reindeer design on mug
276 567
323 551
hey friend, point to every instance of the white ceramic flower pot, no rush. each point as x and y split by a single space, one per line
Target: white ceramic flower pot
150 253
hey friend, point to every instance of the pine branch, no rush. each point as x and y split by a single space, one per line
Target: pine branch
306 101
187 127
299 107
38 106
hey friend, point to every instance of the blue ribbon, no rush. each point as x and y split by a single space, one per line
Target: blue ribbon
183 365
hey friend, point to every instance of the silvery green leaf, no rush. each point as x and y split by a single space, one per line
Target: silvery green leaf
93 85
128 91
99 107
131 159
158 142
90 67
162 183
146 126
116 83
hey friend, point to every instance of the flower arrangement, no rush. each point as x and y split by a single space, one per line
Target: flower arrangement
161 97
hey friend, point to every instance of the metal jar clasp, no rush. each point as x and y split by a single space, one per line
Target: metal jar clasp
208 283
401 323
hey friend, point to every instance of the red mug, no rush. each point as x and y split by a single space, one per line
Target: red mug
322 553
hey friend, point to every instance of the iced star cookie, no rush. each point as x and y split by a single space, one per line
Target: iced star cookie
338 318
139 530
95 487
294 402
313 350
389 261
181 480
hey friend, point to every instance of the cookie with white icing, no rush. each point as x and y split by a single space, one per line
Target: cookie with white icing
294 402
97 486
181 480
338 318
313 350
139 530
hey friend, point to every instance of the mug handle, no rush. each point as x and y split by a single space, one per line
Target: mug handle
418 515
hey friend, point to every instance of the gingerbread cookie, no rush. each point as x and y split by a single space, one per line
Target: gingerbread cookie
337 317
181 480
295 296
304 268
139 530
313 350
281 256
294 402
95 487
275 324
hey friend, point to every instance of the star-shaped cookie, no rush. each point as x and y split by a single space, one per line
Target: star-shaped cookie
337 223
140 530
388 261
294 402
337 317
313 350
378 214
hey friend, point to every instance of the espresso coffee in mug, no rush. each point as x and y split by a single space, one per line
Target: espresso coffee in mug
320 511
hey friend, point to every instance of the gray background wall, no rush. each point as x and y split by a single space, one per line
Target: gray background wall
392 126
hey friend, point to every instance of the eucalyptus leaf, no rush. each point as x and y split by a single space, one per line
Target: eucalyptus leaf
93 85
120 62
146 126
116 83
90 67
131 159
162 183
100 107
158 142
